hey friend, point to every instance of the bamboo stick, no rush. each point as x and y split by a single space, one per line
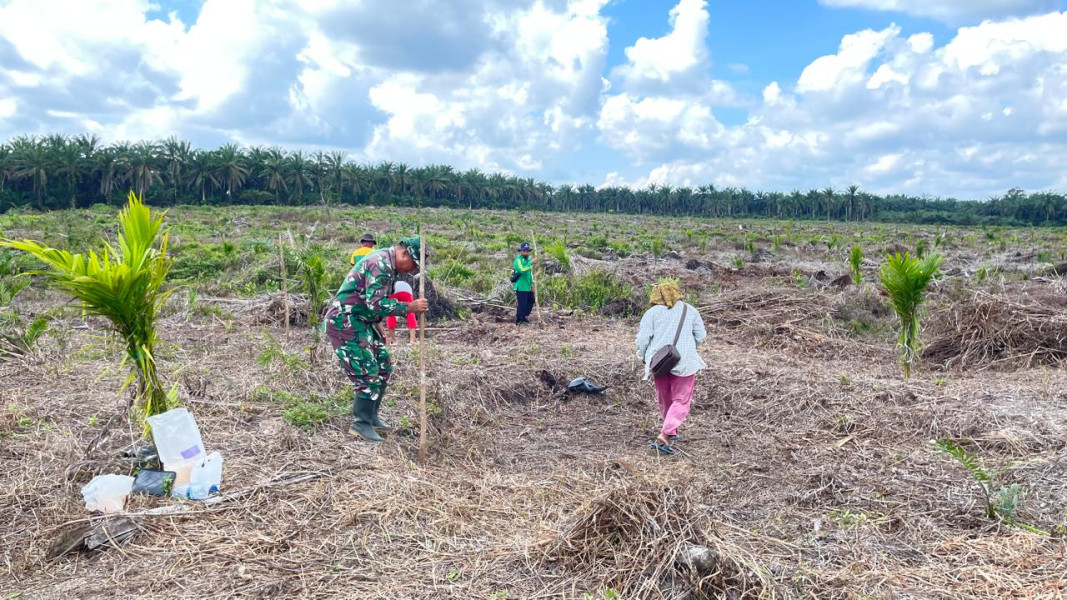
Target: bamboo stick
422 352
285 284
533 282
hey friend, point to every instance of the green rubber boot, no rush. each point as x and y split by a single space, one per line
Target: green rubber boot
362 425
379 425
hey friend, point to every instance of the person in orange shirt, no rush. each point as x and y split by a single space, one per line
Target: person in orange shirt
367 244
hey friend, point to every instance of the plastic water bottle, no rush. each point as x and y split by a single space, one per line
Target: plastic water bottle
204 479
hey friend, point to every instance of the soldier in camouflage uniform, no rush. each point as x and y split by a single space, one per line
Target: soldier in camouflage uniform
352 324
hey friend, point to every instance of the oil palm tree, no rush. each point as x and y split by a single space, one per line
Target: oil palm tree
231 169
123 284
143 164
6 164
906 279
299 174
68 156
175 154
335 163
201 172
273 172
32 160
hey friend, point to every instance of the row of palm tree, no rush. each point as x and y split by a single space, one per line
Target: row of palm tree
56 171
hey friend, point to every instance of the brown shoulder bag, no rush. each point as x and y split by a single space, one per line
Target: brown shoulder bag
666 357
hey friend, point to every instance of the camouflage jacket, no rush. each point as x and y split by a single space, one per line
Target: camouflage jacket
364 295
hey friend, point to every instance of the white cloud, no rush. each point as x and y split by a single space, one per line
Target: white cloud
849 65
953 11
8 106
534 95
680 53
885 112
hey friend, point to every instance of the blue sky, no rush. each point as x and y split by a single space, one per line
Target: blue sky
962 98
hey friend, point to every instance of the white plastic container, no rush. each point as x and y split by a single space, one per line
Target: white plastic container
177 438
183 470
204 479
107 493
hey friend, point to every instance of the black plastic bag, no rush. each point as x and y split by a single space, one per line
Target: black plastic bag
585 386
153 483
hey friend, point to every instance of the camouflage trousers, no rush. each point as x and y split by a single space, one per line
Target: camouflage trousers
363 356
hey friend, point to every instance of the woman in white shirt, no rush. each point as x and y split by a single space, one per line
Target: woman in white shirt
658 328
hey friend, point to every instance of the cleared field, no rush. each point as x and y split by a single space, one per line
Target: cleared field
809 469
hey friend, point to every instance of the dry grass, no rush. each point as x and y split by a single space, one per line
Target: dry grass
1001 331
804 478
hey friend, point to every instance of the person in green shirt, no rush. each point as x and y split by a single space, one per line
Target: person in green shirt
523 265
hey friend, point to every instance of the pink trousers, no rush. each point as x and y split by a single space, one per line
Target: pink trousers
673 393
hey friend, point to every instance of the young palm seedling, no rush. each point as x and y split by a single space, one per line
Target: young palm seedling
123 285
1000 501
855 260
906 279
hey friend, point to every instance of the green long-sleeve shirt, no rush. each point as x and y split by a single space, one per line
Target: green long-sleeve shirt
524 266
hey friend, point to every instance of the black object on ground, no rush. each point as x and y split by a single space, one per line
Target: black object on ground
581 384
143 457
153 483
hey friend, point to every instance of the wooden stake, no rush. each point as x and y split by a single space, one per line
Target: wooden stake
285 285
533 281
422 352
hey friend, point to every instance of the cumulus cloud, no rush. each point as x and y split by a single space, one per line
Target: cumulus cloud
680 55
954 11
497 84
667 95
529 98
981 114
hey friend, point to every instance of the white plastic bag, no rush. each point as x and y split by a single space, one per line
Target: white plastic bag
107 493
177 437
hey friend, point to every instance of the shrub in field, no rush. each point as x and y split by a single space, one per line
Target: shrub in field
1001 501
11 288
656 246
21 341
906 278
855 260
123 285
314 281
920 248
453 273
595 290
591 292
558 251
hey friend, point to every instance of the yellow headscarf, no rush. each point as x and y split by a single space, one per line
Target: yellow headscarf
666 293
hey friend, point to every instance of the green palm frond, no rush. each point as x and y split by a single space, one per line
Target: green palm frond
968 460
906 280
123 285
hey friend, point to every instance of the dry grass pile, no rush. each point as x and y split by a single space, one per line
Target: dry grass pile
774 317
999 331
643 541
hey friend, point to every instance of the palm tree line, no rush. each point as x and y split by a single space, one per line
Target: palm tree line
57 171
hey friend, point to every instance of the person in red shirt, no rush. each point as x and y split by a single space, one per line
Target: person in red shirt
401 293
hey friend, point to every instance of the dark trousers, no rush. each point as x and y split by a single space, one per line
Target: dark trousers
525 306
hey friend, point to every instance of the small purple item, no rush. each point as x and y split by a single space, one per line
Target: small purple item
191 452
